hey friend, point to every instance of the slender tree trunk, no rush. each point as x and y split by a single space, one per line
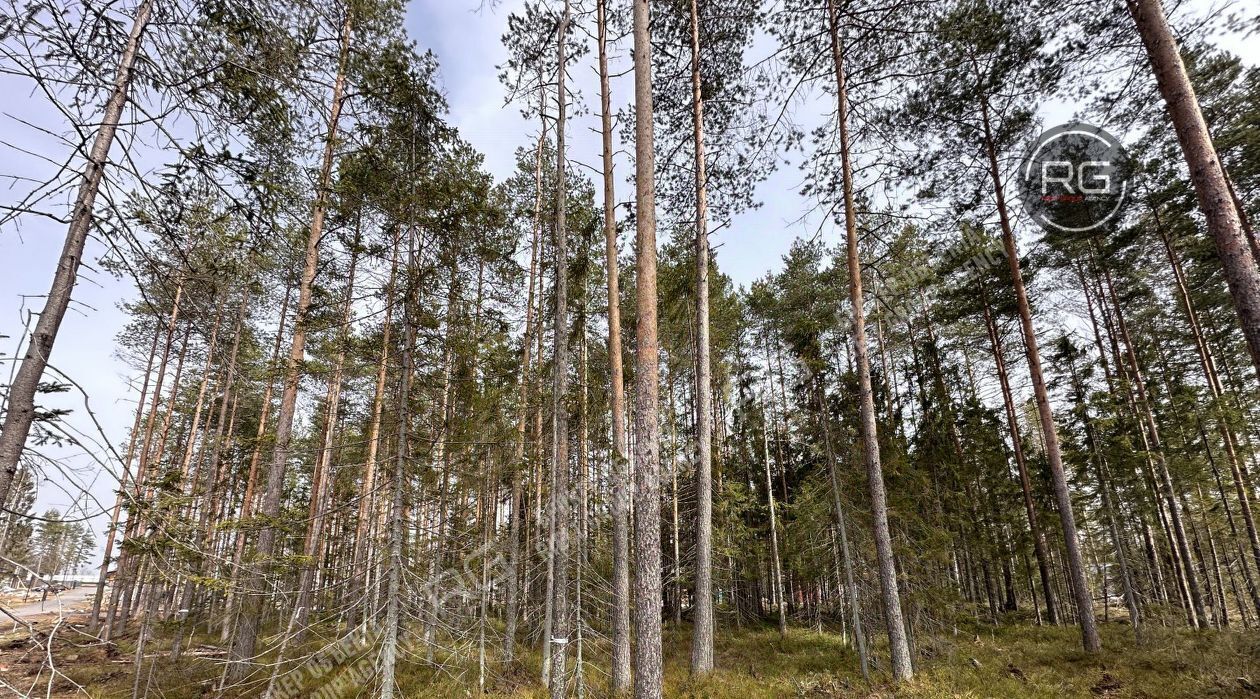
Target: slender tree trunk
1157 452
251 481
1207 173
205 491
560 384
20 411
675 599
1248 580
702 621
487 506
321 484
774 527
367 496
1150 496
130 564
518 457
393 603
243 651
1113 527
647 495
898 645
851 590
1072 544
112 533
187 476
979 524
1030 507
1220 603
1208 364
146 632
617 397
583 445
442 455
542 527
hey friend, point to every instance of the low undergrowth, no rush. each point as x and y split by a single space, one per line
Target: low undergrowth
1006 661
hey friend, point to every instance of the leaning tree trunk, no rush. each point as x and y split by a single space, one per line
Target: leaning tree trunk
1099 462
20 412
1150 499
1207 173
617 391
242 652
702 622
1208 364
647 447
1072 544
899 646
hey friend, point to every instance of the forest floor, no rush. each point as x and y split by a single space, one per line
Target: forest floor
1008 661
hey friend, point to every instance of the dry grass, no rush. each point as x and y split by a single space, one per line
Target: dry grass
1010 661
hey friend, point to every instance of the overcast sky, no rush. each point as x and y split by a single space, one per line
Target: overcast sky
466 40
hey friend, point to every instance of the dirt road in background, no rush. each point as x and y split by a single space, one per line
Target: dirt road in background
75 599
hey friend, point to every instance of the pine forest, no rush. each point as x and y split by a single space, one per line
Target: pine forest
629 348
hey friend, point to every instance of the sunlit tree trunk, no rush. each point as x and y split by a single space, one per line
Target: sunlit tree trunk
243 647
647 467
1063 498
1207 173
